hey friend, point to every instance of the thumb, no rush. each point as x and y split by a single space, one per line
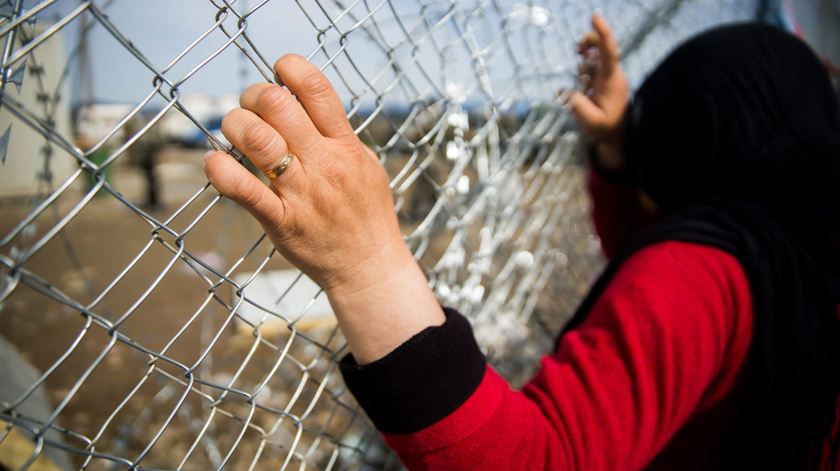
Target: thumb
235 182
591 116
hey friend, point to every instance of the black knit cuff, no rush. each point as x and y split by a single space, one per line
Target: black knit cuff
422 381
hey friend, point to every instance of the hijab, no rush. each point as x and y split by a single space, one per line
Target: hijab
736 137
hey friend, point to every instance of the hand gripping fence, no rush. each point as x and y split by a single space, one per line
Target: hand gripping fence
171 335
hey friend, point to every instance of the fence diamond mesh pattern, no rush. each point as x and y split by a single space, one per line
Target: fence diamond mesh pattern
135 336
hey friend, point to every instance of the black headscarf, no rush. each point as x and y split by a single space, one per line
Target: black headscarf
736 137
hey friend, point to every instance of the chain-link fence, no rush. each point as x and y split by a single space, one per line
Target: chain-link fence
148 323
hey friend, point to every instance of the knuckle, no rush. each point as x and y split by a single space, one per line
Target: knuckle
335 175
248 192
256 139
315 85
247 97
272 99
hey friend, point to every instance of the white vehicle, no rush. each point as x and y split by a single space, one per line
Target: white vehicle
95 121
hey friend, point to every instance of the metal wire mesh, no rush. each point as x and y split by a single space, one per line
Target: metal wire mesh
143 337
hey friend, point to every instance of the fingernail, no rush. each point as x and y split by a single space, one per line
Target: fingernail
208 154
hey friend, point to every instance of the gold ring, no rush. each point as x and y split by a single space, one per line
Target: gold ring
281 167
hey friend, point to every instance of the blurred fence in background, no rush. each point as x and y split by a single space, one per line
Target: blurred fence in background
148 323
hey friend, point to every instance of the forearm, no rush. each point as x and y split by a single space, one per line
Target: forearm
389 302
609 155
619 208
497 428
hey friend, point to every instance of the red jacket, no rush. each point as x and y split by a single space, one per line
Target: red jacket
644 381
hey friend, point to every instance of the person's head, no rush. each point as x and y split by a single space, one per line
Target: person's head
743 113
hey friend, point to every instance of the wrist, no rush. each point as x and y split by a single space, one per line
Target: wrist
384 305
609 155
372 272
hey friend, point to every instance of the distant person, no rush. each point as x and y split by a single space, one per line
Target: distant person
144 154
711 341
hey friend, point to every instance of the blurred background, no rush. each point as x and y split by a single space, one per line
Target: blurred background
147 323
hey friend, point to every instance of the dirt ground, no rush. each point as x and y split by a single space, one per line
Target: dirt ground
91 251
104 238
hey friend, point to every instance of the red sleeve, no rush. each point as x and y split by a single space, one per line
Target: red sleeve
665 340
617 212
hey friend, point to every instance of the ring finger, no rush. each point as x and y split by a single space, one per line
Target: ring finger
261 144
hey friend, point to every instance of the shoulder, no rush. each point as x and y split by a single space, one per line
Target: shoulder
678 278
687 281
685 298
683 264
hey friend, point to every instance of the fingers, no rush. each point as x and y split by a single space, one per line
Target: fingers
602 65
607 45
315 93
261 143
233 181
277 107
589 40
592 118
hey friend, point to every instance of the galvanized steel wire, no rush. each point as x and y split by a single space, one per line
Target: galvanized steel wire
485 176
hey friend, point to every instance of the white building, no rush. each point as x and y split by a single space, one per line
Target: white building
24 157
